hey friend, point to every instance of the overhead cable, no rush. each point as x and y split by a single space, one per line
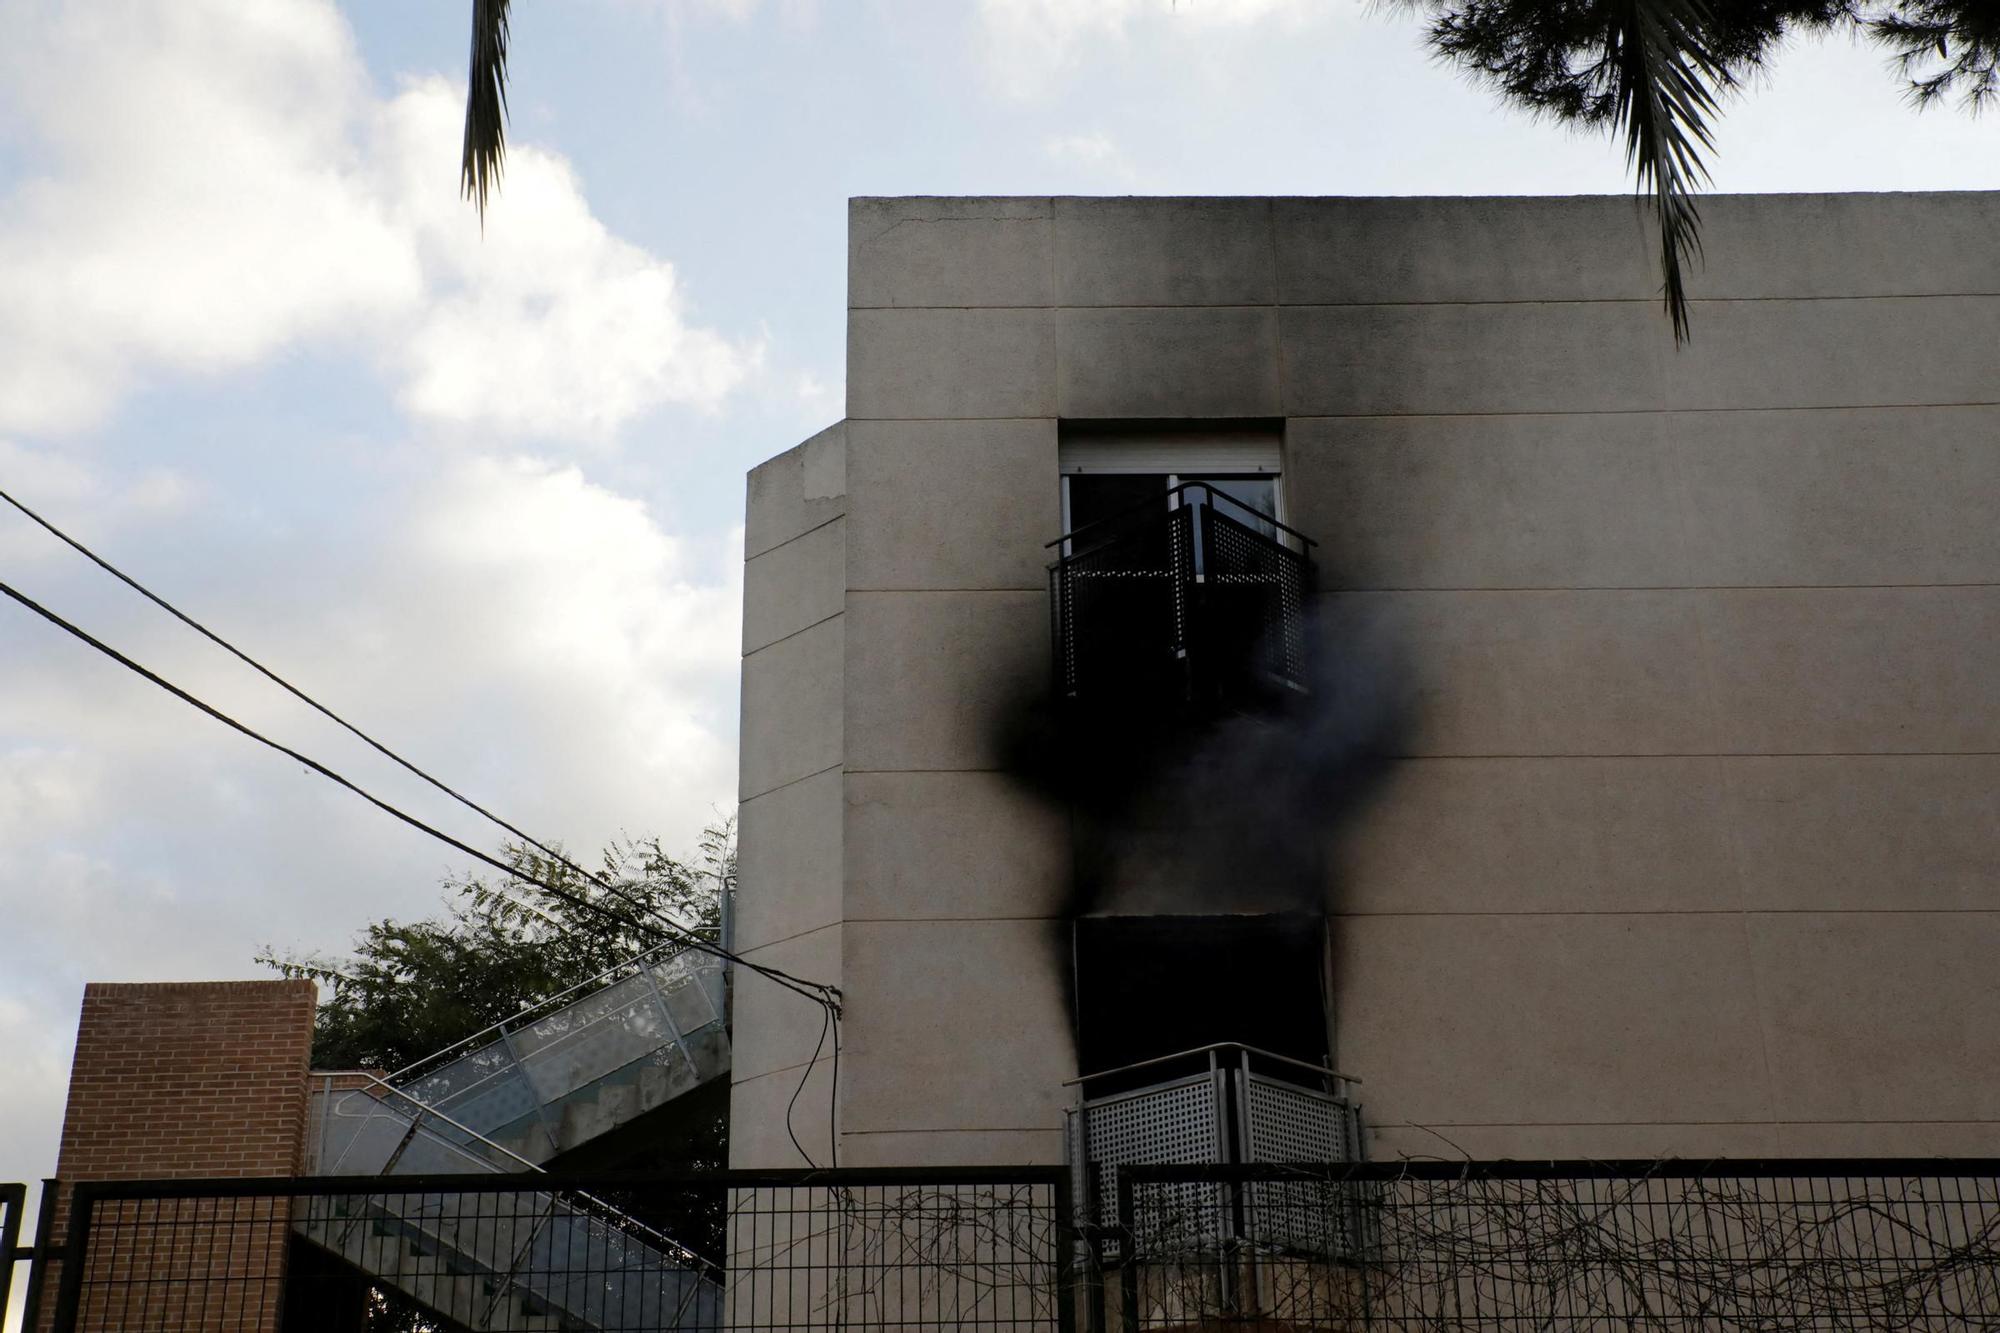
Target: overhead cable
299 694
818 992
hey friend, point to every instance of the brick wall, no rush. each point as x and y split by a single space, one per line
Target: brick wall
181 1080
188 1079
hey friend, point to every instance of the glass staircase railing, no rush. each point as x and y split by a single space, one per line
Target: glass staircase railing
504 1101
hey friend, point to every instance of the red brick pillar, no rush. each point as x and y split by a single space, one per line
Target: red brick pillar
186 1080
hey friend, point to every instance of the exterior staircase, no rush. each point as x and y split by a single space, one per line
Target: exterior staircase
550 1079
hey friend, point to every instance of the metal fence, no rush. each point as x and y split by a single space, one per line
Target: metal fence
1799 1246
773 1250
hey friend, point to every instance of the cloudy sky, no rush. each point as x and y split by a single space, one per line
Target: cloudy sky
484 494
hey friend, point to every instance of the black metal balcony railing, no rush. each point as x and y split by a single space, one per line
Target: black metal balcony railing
1177 600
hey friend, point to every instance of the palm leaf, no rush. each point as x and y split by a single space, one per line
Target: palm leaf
485 103
1649 68
1665 74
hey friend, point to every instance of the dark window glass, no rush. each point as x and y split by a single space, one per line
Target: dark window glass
1101 495
1148 986
1258 494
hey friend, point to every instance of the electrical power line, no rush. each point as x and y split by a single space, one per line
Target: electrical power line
552 853
828 997
819 993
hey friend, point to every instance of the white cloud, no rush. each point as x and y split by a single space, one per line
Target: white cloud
549 325
1087 149
217 182
531 635
51 477
1029 42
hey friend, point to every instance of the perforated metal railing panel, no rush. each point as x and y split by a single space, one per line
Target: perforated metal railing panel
1289 1123
1284 1122
1169 1122
1253 601
1120 611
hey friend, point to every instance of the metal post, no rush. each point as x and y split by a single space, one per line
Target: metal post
1226 1199
508 1281
325 1125
13 1198
1128 1275
535 1093
667 1014
40 1254
76 1245
1241 1215
1068 1237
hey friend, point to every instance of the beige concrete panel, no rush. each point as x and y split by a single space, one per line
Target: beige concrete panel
1866 832
1815 670
952 504
1618 356
763 1118
949 252
791 709
931 676
1837 353
1164 252
1915 244
1604 248
954 1148
1163 362
951 363
1544 835
1512 673
794 586
1791 833
1891 1139
788 860
1336 251
1490 501
1380 359
1885 495
1549 1019
797 491
952 845
1389 1143
1881 1015
955 1025
776 1028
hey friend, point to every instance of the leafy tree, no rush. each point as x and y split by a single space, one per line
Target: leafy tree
1651 72
412 988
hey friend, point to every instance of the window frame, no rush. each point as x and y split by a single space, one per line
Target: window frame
1179 458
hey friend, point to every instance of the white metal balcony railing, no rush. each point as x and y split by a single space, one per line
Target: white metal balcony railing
1221 1108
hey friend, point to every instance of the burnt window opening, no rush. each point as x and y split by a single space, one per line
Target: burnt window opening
1149 987
1181 590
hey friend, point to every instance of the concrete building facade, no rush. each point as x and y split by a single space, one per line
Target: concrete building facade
1686 838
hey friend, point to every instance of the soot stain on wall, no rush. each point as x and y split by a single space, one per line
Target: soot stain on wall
1212 812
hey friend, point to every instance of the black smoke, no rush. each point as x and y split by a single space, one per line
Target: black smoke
1218 805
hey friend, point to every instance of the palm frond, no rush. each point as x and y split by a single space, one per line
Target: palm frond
485 103
1666 77
1651 68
